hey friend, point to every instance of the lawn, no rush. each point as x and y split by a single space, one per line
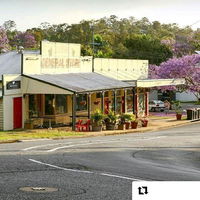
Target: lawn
35 134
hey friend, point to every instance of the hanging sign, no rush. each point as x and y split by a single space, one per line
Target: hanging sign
13 85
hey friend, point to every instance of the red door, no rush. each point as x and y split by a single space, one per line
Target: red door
17 112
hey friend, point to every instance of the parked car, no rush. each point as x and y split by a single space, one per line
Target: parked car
156 105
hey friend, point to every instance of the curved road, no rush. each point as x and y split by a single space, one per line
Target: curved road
97 167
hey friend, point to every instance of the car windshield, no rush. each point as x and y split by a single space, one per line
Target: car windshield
156 102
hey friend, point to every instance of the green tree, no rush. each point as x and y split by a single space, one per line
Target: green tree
145 47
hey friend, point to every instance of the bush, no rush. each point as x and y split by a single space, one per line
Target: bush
126 117
111 117
97 118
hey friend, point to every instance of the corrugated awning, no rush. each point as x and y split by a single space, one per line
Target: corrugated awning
80 82
149 83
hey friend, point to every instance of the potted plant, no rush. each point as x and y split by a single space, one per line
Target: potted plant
144 122
124 120
97 119
134 122
110 120
178 109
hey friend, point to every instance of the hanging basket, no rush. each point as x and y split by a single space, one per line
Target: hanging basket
83 103
108 101
96 102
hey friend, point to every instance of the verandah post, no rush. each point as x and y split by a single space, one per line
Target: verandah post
74 112
89 105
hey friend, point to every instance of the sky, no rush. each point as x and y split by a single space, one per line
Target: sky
31 13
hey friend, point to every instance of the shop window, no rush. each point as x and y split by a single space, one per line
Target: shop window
118 93
98 95
129 100
106 94
141 103
49 104
118 104
33 111
81 102
61 104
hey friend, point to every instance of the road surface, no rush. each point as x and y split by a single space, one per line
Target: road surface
97 167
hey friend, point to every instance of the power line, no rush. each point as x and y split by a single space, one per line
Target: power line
195 23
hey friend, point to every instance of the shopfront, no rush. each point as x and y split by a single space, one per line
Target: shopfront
57 86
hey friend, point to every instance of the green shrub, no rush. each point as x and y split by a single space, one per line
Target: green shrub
126 117
111 117
97 117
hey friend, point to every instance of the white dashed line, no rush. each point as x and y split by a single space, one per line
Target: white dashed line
102 142
88 172
84 144
45 145
62 168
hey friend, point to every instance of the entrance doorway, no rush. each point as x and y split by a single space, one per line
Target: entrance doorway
17 112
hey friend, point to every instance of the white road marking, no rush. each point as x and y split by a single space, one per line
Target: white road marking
62 168
102 142
74 145
45 145
122 177
54 144
82 171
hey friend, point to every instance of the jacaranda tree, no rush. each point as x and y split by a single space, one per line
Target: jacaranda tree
3 40
26 39
187 67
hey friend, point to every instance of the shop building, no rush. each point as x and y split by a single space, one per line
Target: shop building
56 86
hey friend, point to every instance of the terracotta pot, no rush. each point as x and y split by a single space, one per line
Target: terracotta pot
134 125
121 127
96 128
178 116
144 123
127 125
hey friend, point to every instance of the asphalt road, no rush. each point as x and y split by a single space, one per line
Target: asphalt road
97 167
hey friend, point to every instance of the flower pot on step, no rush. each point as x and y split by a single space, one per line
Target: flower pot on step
178 116
96 128
127 125
144 123
121 127
134 125
110 126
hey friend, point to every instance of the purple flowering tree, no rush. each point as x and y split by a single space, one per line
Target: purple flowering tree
3 40
27 40
187 67
180 46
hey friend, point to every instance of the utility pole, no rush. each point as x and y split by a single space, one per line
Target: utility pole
92 47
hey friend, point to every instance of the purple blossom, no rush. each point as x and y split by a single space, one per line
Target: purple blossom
3 40
186 67
27 40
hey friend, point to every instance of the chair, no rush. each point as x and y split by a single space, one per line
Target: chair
86 126
78 125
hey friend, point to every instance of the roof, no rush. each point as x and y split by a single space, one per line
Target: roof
148 83
198 52
10 62
80 82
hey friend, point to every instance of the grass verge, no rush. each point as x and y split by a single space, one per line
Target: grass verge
22 135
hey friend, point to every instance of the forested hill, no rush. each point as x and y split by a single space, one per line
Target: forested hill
113 37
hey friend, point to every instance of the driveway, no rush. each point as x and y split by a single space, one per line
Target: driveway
99 167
